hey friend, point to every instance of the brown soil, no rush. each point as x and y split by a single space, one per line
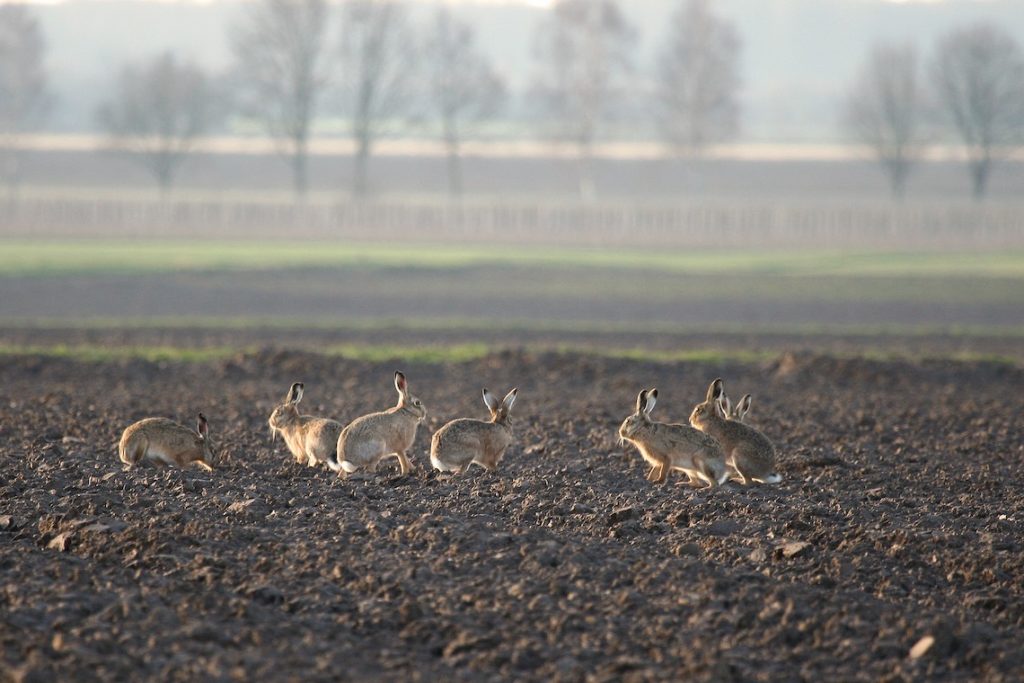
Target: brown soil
900 517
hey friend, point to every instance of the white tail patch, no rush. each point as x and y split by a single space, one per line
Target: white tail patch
440 466
348 467
770 479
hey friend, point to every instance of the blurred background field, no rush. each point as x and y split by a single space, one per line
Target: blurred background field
223 295
522 174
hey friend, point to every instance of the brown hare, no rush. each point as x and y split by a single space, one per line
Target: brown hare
747 451
368 439
311 440
672 446
160 441
462 442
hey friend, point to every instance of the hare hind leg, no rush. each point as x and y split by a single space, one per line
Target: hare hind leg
403 462
134 451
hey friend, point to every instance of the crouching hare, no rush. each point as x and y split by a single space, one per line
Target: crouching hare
463 442
160 441
747 451
673 446
368 439
311 440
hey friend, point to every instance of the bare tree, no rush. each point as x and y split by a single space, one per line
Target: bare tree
24 96
157 112
464 88
583 53
978 73
883 111
378 57
281 52
698 79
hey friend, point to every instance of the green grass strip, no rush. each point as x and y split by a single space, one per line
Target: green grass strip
458 353
42 258
510 325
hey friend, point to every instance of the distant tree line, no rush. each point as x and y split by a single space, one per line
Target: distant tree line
976 78
296 59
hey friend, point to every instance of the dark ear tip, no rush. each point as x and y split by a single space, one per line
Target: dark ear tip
653 392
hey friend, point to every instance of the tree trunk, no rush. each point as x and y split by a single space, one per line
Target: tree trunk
11 174
980 169
454 170
300 180
898 172
360 171
164 178
586 171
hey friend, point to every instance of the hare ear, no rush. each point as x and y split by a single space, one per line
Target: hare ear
295 393
743 407
400 383
715 390
641 401
723 406
510 398
491 401
652 399
202 426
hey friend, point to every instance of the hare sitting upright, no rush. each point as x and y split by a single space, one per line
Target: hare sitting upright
672 446
369 438
462 442
747 451
310 439
160 441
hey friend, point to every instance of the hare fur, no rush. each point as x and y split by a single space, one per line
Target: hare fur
460 443
160 441
672 446
368 439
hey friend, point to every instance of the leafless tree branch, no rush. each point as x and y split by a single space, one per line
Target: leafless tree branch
24 92
583 54
281 54
883 111
698 79
378 59
157 112
978 74
464 88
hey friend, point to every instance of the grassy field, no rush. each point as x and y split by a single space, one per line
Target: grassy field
96 300
37 258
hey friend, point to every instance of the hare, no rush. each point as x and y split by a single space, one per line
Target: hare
673 446
460 443
747 451
369 438
310 439
165 442
738 412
